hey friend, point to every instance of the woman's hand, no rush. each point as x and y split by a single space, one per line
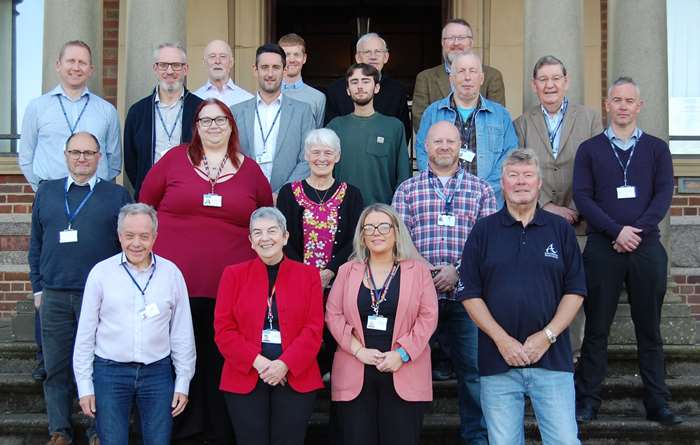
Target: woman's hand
369 356
261 363
326 277
275 373
391 362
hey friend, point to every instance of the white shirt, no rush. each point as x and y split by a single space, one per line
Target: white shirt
231 94
91 182
172 115
111 325
267 115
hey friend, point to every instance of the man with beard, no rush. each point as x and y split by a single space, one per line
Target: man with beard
374 156
434 83
272 127
218 58
161 120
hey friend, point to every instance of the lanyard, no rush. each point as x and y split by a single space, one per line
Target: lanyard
73 127
449 198
269 307
71 216
143 291
162 121
625 167
269 132
553 134
470 125
212 181
374 290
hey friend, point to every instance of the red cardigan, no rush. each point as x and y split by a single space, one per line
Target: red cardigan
240 312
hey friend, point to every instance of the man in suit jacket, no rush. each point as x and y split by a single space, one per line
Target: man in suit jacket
554 129
271 126
434 83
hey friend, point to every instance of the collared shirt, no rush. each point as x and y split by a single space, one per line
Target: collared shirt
45 131
421 200
172 116
91 182
297 85
554 125
231 94
307 94
267 115
619 143
112 325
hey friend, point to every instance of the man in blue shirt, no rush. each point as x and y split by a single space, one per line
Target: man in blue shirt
69 108
522 282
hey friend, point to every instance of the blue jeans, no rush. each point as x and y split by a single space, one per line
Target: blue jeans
462 336
59 313
118 385
553 400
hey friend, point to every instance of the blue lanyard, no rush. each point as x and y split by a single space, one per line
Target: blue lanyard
269 132
553 134
143 291
72 128
625 167
448 198
71 216
162 121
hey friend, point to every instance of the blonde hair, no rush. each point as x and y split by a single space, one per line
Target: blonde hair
403 249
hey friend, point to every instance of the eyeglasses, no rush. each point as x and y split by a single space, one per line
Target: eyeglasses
382 228
87 154
176 66
459 39
220 121
376 52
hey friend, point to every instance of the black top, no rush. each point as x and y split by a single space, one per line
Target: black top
376 339
348 215
272 351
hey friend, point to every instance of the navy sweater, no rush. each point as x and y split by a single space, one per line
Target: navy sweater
597 174
66 266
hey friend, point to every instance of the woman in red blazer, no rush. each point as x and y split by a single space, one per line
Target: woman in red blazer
268 323
382 310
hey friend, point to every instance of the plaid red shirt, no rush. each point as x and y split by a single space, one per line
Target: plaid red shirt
421 200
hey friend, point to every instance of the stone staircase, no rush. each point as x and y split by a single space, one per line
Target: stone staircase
23 419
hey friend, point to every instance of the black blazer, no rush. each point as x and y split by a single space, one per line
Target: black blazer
139 135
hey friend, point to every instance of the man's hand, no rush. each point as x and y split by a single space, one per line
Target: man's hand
391 362
87 404
370 356
275 372
512 352
37 300
570 215
536 345
179 403
628 239
326 277
446 278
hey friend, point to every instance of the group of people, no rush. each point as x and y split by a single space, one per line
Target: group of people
265 250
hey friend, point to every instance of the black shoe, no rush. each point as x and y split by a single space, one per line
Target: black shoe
664 416
586 413
440 375
39 373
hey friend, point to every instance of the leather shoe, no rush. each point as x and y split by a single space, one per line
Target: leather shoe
58 439
440 375
664 416
39 373
586 413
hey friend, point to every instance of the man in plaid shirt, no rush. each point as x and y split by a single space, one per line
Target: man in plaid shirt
440 207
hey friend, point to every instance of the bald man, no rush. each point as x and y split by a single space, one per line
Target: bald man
218 58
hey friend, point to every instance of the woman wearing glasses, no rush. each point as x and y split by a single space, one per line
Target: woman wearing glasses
204 193
382 310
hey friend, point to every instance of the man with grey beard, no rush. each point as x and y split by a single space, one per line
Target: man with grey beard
162 119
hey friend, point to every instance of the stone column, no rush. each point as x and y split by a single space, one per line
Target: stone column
66 20
149 23
554 27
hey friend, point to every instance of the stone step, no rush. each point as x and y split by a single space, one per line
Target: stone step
17 357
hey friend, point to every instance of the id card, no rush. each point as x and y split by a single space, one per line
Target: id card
212 200
264 157
626 192
272 336
150 311
466 154
446 220
376 322
68 236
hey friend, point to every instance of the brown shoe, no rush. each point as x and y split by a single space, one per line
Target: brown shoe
58 439
94 440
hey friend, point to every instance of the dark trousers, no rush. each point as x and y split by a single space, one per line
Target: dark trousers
270 415
378 416
37 337
643 272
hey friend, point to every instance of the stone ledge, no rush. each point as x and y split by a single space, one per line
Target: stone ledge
15 217
685 220
15 267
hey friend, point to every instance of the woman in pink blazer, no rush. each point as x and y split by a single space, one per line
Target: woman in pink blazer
382 310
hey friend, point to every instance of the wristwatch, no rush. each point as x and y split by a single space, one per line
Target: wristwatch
550 335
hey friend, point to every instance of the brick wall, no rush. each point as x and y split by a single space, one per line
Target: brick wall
110 32
687 286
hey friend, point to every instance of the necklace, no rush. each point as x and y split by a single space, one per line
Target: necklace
321 200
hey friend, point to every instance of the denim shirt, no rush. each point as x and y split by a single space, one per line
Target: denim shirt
495 137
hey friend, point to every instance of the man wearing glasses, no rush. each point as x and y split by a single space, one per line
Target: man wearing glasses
161 120
390 100
218 58
434 83
74 222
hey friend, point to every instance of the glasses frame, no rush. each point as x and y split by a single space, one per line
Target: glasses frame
89 155
172 65
375 228
212 120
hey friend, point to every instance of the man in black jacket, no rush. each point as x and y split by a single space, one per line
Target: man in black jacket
162 119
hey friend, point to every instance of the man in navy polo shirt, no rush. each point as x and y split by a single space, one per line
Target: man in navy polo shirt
522 282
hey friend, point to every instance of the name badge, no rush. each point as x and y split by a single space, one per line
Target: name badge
626 192
212 200
150 311
376 322
380 140
446 220
272 336
68 236
264 157
466 154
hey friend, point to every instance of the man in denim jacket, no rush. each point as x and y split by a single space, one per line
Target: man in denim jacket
486 128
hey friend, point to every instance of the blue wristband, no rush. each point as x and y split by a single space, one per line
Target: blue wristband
404 355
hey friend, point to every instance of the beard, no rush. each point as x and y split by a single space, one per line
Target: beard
364 101
171 87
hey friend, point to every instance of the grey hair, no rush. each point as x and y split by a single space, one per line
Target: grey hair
176 45
547 60
403 249
361 41
522 156
324 137
467 53
624 80
268 213
137 208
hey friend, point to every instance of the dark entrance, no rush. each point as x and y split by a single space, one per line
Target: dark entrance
331 28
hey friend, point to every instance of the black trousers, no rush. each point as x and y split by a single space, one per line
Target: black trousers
270 415
378 416
643 272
